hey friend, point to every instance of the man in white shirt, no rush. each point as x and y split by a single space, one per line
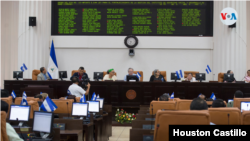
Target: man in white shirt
190 78
11 133
76 90
130 72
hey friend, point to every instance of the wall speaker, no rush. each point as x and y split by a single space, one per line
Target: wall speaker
131 52
232 26
32 21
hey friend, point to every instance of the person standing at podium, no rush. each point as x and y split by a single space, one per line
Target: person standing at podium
110 75
157 76
43 75
130 72
79 74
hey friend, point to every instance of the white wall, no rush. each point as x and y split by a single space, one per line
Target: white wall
248 35
230 43
9 38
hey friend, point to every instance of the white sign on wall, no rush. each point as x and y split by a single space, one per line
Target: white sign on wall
228 16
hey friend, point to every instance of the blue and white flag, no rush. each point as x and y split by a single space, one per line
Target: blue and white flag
22 69
208 69
24 66
52 66
181 73
199 95
93 97
13 94
24 99
213 96
162 79
98 96
172 96
48 105
178 77
68 92
40 92
83 98
138 75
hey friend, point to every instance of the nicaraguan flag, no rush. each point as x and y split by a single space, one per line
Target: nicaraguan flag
138 75
93 97
83 98
178 77
40 92
199 95
172 96
48 105
213 96
24 66
24 99
22 69
181 73
52 66
68 92
207 71
98 96
13 94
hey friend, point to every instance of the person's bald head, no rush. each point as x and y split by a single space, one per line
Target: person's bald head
198 104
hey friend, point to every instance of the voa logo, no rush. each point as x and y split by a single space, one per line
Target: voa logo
228 16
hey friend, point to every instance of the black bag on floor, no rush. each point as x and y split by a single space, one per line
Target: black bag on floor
4 93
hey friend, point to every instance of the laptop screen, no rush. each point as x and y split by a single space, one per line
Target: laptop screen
245 105
229 100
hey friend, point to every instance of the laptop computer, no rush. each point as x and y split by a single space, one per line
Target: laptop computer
244 105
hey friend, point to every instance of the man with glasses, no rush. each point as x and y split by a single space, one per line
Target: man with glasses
130 72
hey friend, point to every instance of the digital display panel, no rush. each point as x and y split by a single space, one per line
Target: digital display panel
150 18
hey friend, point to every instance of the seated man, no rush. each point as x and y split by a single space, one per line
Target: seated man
40 101
76 90
164 97
217 103
43 75
199 104
237 94
130 72
190 78
79 74
229 79
11 133
202 96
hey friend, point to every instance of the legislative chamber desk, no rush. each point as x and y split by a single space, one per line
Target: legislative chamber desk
134 94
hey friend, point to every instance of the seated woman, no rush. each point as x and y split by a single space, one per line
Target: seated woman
190 78
157 76
247 78
110 75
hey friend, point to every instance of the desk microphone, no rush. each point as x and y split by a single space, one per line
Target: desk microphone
158 125
228 117
68 109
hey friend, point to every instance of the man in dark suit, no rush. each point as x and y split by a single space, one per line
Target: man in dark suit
79 74
229 79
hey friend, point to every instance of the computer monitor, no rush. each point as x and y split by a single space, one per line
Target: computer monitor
229 77
98 75
43 121
94 106
200 76
17 74
132 78
101 102
245 105
20 112
174 76
79 109
62 74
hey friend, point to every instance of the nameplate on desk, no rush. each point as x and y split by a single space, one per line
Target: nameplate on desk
60 125
153 119
146 126
23 129
148 137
